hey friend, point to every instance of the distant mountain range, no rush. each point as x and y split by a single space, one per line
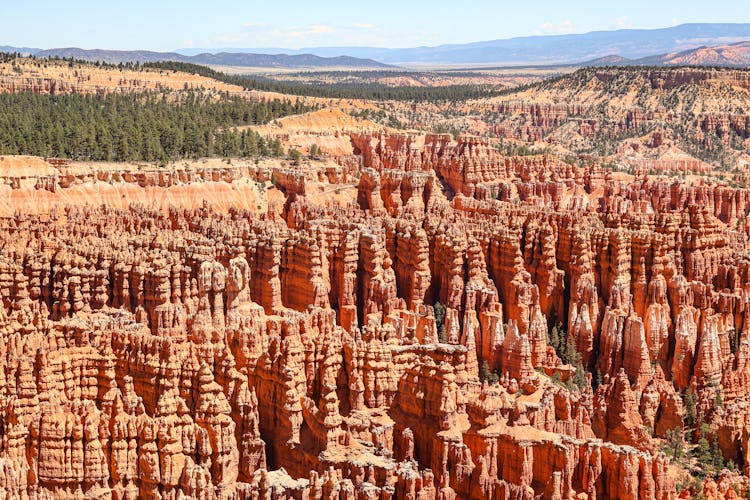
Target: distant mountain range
698 44
22 50
542 50
731 55
736 54
220 59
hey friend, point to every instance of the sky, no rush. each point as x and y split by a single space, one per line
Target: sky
167 25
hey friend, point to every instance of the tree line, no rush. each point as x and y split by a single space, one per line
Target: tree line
72 61
160 126
366 91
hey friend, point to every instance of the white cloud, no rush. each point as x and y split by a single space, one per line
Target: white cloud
305 32
257 34
622 22
320 28
550 28
260 34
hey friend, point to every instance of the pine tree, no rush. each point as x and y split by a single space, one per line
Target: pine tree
487 375
689 400
734 341
438 311
251 148
703 453
295 156
674 443
598 379
579 378
717 456
554 338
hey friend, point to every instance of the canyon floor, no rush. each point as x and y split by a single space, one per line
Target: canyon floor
549 302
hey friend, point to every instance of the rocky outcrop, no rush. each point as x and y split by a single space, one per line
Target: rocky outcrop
632 109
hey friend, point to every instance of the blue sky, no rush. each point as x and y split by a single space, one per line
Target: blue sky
167 25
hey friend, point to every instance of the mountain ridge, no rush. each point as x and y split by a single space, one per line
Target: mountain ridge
731 55
708 44
218 59
543 49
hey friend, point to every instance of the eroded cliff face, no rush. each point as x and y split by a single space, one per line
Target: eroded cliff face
225 354
663 118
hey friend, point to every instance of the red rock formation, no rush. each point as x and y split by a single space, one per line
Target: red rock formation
228 354
616 417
